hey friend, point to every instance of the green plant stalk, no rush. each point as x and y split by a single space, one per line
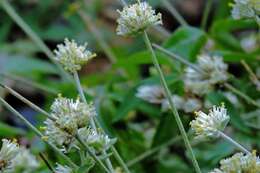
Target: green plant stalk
152 151
174 12
92 154
45 160
94 30
92 121
171 103
230 140
37 132
241 94
115 153
26 28
227 85
28 82
206 14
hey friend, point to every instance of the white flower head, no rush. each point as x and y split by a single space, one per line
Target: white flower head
208 125
240 162
245 9
95 139
63 169
213 71
151 93
177 100
67 117
8 152
72 56
24 162
137 18
191 105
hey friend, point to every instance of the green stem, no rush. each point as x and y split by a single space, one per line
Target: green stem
242 95
171 103
120 160
92 28
29 83
92 153
230 140
45 160
26 28
206 14
92 120
152 151
37 132
227 85
174 12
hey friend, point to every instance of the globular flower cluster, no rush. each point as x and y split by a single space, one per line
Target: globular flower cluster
208 125
213 71
16 159
137 18
239 163
67 116
155 94
72 56
96 140
246 9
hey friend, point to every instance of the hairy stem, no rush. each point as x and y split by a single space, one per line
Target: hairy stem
26 28
37 132
230 140
171 103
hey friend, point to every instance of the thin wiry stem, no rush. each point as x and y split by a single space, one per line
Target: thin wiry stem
28 82
206 13
94 30
230 140
252 75
174 12
152 151
26 28
38 133
227 85
171 103
89 150
120 160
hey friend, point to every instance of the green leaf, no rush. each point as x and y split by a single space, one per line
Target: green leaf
186 42
9 131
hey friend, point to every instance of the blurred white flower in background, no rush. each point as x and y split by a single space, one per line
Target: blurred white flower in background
250 43
151 93
24 162
245 9
136 18
209 125
72 56
213 71
177 100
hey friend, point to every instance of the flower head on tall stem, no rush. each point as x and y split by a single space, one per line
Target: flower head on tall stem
208 125
136 18
72 56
